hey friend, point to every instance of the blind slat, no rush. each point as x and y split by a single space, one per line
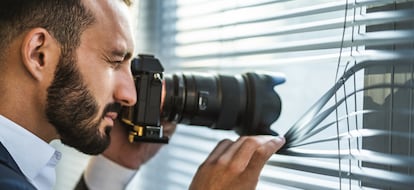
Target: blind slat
196 24
359 20
317 44
374 38
360 173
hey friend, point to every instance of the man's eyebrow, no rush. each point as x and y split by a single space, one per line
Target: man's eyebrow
125 54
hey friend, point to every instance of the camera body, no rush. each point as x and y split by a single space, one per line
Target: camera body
247 103
143 119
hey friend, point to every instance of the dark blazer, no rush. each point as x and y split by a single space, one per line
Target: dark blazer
11 177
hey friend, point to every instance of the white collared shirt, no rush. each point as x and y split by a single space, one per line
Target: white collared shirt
35 158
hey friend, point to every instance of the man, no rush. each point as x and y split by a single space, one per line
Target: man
65 73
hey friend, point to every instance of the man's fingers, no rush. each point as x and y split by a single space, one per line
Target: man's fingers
262 155
237 155
236 165
242 154
219 150
227 157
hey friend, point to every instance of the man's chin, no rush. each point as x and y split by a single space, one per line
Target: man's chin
89 146
95 150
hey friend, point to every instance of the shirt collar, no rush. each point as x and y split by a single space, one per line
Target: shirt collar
29 151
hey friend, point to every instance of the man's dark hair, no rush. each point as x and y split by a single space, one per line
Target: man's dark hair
64 19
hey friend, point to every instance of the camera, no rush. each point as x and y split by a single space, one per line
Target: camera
246 103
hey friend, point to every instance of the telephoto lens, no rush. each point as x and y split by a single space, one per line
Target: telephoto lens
245 103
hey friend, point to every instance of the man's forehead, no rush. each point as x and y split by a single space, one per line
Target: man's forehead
104 8
112 19
113 13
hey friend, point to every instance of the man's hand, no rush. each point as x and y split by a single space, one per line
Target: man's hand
132 155
236 165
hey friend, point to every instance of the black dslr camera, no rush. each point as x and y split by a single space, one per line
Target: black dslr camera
246 104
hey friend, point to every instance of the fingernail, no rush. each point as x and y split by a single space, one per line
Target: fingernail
280 138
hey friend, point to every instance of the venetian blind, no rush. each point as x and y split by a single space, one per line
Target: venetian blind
326 49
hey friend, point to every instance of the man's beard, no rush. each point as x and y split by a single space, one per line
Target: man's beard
73 110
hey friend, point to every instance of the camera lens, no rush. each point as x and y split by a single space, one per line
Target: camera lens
245 103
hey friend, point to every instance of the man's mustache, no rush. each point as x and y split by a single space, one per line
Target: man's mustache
112 107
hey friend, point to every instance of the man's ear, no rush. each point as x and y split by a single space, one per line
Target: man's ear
40 53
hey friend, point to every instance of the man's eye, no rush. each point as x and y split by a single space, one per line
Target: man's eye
116 64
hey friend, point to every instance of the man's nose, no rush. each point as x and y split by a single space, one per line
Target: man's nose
125 92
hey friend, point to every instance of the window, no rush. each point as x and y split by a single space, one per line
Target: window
314 43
